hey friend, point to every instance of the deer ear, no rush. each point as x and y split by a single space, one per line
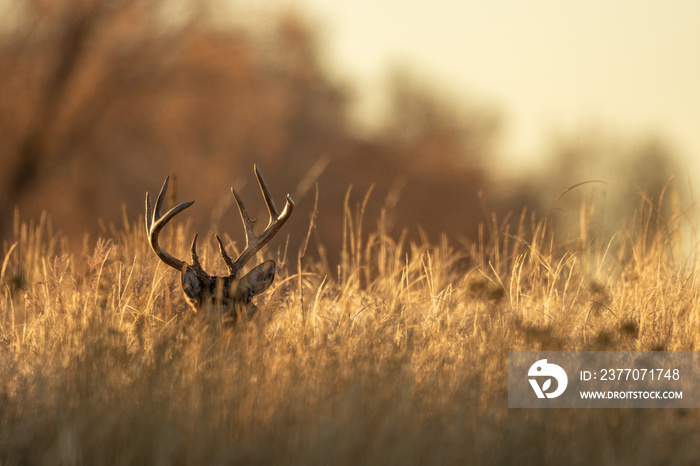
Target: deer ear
191 284
257 280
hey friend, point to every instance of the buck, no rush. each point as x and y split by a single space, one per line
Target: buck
231 294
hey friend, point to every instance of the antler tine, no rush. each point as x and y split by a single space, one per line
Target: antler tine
253 242
247 222
269 202
229 263
155 222
193 252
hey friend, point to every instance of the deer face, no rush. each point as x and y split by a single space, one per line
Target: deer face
230 294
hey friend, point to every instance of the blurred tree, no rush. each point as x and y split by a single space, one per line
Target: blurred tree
101 98
433 128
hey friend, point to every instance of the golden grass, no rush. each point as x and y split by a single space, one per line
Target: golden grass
397 357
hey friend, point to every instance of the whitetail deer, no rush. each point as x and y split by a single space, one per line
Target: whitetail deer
230 294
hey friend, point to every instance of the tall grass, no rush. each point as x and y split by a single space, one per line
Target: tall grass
398 356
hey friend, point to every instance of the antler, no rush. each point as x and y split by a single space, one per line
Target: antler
253 243
155 222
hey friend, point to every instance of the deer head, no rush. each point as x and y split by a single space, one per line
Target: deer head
230 294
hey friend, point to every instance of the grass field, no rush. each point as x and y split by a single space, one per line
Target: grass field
397 356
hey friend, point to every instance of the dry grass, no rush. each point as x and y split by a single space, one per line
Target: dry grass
397 357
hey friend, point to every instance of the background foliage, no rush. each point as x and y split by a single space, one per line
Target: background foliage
100 100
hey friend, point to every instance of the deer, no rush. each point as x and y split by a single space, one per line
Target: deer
231 295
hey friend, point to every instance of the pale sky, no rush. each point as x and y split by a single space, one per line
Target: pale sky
631 65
